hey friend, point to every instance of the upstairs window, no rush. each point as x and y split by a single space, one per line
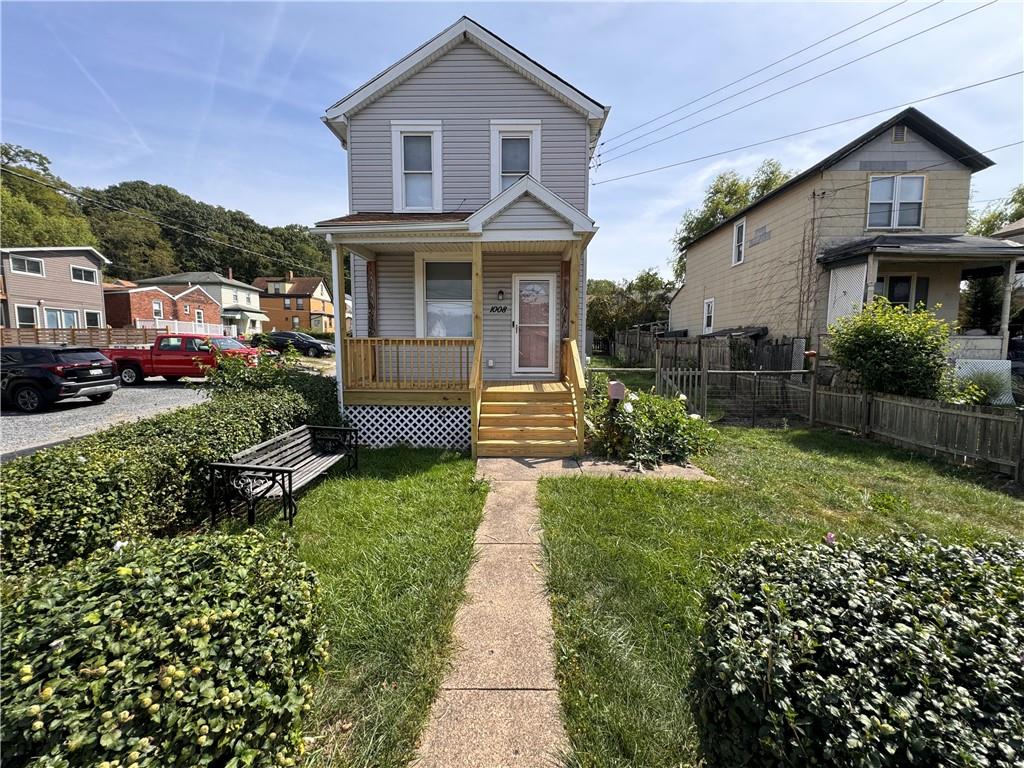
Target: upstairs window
416 160
287 303
896 202
26 266
515 152
83 275
300 303
739 234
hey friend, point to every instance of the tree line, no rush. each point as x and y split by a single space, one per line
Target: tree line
145 229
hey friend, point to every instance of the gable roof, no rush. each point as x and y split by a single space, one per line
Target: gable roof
465 29
914 119
1012 229
528 185
195 278
300 286
41 250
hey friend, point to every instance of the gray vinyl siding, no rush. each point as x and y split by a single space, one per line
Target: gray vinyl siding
466 89
527 213
360 325
396 299
498 271
56 290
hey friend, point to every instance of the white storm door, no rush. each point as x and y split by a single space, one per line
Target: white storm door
533 323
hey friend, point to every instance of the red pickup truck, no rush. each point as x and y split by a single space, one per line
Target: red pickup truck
174 355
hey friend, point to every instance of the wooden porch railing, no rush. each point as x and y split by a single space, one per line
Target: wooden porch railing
572 372
476 392
408 364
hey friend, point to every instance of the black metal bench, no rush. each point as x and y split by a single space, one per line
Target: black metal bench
279 467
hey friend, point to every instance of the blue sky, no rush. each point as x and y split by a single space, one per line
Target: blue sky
223 101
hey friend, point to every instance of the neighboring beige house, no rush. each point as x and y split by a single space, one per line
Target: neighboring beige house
883 215
1013 231
240 311
52 287
468 168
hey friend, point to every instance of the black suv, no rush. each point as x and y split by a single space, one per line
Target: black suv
35 377
302 342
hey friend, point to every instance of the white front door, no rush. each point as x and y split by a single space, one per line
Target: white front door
533 323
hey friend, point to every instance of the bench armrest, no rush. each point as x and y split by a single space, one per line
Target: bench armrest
336 439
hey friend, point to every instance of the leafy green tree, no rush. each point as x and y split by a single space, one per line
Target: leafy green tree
614 306
135 246
33 214
728 193
893 349
995 217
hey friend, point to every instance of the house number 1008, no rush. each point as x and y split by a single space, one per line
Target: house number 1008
498 310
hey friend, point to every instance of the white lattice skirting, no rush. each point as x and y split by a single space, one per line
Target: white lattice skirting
419 426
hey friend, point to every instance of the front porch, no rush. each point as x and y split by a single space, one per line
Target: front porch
929 270
453 313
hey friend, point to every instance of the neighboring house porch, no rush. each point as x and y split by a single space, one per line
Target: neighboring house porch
923 269
467 324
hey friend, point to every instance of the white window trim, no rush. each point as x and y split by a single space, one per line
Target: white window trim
40 262
62 310
704 316
893 221
35 313
421 286
98 313
200 316
95 274
513 128
884 280
743 245
152 306
401 128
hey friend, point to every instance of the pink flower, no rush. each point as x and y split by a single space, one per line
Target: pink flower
830 539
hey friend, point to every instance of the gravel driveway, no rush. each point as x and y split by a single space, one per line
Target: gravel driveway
74 418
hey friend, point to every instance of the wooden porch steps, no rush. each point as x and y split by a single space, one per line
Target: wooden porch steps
531 419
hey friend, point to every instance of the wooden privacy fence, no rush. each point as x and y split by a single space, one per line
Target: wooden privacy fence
96 337
983 436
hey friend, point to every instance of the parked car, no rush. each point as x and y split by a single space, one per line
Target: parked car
302 342
175 355
35 377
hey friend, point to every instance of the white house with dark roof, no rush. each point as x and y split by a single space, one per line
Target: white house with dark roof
466 237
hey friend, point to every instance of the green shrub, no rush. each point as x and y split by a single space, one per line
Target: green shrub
190 652
234 375
644 429
143 478
893 349
888 652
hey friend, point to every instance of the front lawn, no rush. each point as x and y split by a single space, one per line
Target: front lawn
629 562
640 381
391 545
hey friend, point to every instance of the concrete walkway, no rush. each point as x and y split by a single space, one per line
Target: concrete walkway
498 705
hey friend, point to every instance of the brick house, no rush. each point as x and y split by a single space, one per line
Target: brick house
183 308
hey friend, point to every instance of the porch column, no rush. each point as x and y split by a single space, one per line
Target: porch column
870 278
478 292
1009 276
338 287
574 290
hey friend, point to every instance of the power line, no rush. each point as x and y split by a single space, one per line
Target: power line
810 130
68 190
773 77
787 88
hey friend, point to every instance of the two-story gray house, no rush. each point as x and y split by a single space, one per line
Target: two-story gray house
54 288
468 172
884 215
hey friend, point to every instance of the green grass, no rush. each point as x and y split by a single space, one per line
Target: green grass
639 381
629 562
391 545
